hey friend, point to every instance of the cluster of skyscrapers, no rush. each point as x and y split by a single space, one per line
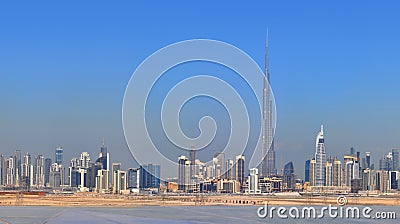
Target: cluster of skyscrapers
25 172
353 174
82 174
221 175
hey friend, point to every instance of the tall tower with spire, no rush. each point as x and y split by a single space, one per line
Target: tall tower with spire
268 167
320 159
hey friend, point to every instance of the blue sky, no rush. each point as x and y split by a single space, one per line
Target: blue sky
64 69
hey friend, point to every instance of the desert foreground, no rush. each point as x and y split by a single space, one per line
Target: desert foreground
100 200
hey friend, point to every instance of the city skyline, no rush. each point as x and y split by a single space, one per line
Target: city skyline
324 66
332 174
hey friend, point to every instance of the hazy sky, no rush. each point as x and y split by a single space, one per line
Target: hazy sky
64 69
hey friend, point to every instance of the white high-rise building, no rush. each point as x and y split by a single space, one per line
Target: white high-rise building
27 171
39 171
119 181
253 182
320 159
84 160
10 176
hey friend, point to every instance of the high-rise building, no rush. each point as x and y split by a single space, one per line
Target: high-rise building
289 179
253 182
395 160
39 171
329 173
104 157
150 176
230 174
183 173
2 173
268 152
102 182
73 176
382 180
47 168
320 159
394 177
59 155
84 160
27 172
337 173
386 162
368 178
115 167
119 181
312 172
351 169
55 176
133 178
307 171
91 175
10 167
17 164
192 162
239 170
368 160
219 164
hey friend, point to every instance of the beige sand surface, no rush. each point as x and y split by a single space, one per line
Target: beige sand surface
90 200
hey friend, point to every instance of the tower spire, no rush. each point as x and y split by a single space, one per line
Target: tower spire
268 167
266 57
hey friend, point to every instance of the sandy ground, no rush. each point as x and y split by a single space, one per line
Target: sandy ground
92 200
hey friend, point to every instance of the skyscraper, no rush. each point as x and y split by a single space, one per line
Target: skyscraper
307 171
395 160
17 164
47 167
10 176
104 157
219 164
229 169
368 159
39 171
133 178
239 171
320 159
253 182
119 181
84 160
289 181
337 172
54 179
27 172
2 170
192 162
312 172
268 152
150 176
183 172
59 155
329 173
